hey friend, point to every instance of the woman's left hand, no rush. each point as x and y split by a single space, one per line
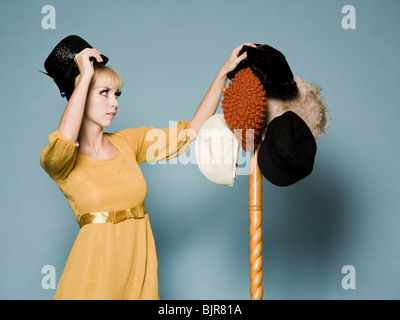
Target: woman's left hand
234 59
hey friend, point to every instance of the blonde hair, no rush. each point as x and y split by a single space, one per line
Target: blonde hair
106 74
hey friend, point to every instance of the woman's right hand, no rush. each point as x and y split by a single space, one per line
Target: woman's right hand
85 63
71 119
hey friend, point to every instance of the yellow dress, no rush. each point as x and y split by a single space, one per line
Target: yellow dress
111 261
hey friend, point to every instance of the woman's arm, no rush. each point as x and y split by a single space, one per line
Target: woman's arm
71 119
210 102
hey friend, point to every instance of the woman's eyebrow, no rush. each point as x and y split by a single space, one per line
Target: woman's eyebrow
103 88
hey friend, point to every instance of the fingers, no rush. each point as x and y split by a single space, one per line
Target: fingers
246 44
241 57
89 53
250 45
85 60
234 59
97 55
236 51
238 59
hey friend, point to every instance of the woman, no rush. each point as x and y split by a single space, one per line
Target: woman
114 254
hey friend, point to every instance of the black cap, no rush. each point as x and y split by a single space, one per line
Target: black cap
271 67
288 150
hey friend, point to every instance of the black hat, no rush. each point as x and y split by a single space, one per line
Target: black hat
271 67
288 150
60 64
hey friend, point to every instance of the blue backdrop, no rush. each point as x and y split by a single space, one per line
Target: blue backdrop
168 52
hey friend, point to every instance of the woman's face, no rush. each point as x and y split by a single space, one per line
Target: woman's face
101 103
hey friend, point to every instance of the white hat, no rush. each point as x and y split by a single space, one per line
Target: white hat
217 151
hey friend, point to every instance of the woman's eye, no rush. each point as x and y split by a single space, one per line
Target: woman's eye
105 93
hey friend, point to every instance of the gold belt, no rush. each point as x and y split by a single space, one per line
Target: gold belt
137 212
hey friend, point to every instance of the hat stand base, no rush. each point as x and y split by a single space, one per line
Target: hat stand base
255 230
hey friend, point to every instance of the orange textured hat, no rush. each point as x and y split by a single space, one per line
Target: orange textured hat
244 106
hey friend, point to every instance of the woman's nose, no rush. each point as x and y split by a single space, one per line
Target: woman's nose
114 102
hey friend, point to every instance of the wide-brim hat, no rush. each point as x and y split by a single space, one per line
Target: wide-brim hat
217 151
60 64
288 150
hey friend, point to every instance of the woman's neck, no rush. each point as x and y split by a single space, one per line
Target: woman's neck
91 138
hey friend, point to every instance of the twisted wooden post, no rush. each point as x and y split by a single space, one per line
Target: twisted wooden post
255 231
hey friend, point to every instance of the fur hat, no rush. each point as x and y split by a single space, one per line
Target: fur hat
307 104
294 125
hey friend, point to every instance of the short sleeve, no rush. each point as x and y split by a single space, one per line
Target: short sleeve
58 158
153 144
